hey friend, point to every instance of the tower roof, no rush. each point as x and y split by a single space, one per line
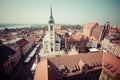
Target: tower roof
51 20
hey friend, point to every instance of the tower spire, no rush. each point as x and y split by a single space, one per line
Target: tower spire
51 20
51 16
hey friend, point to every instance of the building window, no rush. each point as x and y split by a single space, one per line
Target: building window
51 27
51 44
51 37
51 49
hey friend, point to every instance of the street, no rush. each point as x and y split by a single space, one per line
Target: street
23 70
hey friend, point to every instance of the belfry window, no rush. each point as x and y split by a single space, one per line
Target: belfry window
51 27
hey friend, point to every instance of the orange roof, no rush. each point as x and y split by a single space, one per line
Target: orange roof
90 25
99 27
92 38
50 69
41 72
117 42
79 37
76 37
112 30
111 64
71 62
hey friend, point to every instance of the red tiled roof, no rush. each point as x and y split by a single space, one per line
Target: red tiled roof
90 25
91 59
76 37
111 64
117 42
73 63
41 72
112 30
22 42
91 38
99 27
79 37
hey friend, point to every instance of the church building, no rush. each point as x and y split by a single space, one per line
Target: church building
51 41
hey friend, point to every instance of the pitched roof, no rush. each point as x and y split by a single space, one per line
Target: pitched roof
5 53
79 37
41 72
72 62
111 64
22 42
99 27
90 25
117 42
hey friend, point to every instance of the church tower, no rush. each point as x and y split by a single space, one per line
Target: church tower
51 41
51 24
105 29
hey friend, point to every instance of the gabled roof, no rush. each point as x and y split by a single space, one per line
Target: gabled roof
79 37
90 25
73 62
51 69
99 27
22 42
5 53
111 64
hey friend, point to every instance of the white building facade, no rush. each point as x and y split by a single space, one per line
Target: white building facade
51 41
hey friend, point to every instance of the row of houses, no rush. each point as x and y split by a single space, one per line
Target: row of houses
13 50
101 65
99 32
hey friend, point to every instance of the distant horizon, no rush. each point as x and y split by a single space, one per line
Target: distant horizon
64 11
57 23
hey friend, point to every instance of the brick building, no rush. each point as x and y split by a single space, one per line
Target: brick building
74 67
8 61
87 29
111 45
110 67
97 31
111 58
24 46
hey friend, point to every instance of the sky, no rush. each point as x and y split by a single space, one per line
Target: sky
64 11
